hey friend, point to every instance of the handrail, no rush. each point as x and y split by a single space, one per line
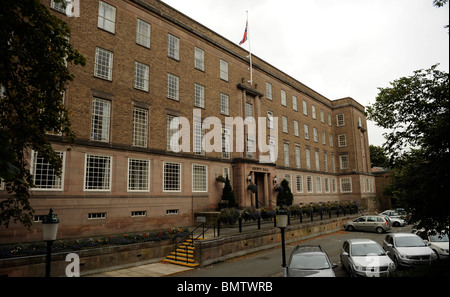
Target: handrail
191 234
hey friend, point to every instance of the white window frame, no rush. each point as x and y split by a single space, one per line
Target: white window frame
286 154
306 130
343 161
103 63
201 178
176 183
141 76
143 176
340 120
224 104
173 87
100 120
296 133
107 172
57 181
317 159
346 184
106 17
308 158
226 148
334 185
199 59
199 96
297 156
283 98
309 184
143 33
326 184
318 184
173 47
299 183
270 119
284 122
223 70
294 103
199 134
170 132
342 140
268 91
305 108
140 127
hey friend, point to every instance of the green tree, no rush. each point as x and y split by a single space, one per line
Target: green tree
34 53
416 111
378 156
228 194
284 197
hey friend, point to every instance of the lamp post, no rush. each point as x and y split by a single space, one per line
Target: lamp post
282 219
50 225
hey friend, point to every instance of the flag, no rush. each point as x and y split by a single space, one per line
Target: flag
244 39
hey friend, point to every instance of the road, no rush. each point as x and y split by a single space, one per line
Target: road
268 263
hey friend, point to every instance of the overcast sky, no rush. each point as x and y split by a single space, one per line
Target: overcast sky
339 48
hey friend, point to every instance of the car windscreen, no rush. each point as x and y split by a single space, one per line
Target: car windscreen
439 238
309 261
367 249
410 241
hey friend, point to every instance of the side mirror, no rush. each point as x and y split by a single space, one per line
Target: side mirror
334 265
345 254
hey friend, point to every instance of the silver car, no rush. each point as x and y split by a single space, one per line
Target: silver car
376 223
310 260
407 250
365 257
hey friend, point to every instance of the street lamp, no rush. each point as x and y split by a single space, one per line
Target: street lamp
282 220
50 225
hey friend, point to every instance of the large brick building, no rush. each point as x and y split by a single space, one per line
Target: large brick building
147 64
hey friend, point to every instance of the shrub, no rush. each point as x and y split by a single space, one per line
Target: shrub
229 216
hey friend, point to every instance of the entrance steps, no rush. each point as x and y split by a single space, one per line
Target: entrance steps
183 254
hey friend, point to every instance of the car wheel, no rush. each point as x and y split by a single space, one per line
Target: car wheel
379 230
350 228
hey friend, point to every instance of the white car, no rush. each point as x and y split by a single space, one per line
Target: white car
438 242
365 257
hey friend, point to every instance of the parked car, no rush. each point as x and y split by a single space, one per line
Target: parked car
438 242
391 213
407 250
310 260
365 257
397 222
376 223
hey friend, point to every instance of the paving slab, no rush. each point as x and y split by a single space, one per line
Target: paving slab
147 270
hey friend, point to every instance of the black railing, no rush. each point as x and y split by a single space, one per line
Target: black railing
192 238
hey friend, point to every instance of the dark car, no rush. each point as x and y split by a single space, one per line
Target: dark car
310 260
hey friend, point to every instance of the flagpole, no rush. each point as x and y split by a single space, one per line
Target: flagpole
250 56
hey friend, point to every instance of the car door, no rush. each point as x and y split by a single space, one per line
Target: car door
345 254
371 223
360 223
388 245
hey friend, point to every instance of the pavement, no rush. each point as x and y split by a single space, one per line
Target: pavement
147 270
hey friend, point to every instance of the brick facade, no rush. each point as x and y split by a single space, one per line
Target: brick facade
85 212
